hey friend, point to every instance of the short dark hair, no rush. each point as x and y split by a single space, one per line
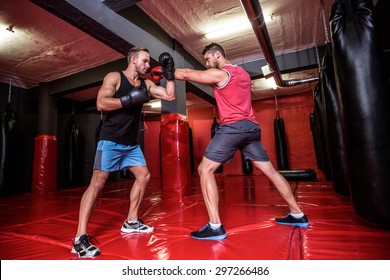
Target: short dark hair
212 48
134 52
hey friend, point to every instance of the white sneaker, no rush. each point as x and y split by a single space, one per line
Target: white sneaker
137 226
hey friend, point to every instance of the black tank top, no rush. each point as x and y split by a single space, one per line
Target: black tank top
122 125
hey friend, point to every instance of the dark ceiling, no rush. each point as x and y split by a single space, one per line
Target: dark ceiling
72 44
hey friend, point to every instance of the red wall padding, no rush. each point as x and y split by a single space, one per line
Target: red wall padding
295 110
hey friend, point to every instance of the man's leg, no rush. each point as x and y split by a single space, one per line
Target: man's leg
133 224
296 216
81 244
209 188
213 230
88 200
142 177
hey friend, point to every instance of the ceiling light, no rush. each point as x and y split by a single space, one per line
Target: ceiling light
230 29
268 18
5 33
271 82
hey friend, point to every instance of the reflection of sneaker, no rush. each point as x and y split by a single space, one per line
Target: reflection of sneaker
84 249
137 226
291 221
207 233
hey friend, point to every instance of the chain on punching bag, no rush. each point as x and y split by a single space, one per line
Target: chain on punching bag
7 140
365 99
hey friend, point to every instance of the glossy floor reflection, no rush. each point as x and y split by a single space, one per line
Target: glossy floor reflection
41 228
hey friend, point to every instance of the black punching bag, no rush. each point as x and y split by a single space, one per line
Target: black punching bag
320 110
247 166
336 145
192 165
7 140
214 128
314 133
71 152
365 100
280 143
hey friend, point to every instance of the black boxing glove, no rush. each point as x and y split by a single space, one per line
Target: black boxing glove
137 95
166 61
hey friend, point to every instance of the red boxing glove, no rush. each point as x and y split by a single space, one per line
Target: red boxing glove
157 73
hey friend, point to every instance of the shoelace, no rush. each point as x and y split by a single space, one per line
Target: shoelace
87 241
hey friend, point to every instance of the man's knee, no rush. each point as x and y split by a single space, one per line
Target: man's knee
144 177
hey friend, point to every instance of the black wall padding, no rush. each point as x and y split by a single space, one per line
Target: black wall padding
7 152
71 157
322 131
214 128
280 143
299 174
365 99
336 146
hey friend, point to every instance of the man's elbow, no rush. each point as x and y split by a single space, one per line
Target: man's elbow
171 98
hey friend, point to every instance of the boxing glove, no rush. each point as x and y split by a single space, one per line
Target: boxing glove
157 73
137 95
166 61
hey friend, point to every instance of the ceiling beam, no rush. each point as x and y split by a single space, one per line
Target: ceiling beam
119 5
75 17
118 32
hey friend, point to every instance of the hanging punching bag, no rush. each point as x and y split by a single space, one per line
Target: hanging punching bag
214 128
314 135
336 146
280 143
192 165
247 166
320 108
71 152
365 99
7 140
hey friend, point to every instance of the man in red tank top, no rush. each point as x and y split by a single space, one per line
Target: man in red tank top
238 130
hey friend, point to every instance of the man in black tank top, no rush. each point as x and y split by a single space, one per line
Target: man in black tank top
121 96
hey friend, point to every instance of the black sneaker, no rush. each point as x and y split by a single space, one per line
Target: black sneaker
207 233
138 226
291 221
84 249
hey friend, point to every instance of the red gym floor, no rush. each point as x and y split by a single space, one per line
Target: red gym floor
41 228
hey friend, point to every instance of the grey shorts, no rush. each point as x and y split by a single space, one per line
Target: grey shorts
243 135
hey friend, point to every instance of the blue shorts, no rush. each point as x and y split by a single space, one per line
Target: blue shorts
242 135
111 156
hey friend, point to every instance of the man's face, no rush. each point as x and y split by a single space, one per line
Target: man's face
210 60
142 62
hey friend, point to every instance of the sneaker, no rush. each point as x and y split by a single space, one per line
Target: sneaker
138 226
84 249
207 233
290 220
